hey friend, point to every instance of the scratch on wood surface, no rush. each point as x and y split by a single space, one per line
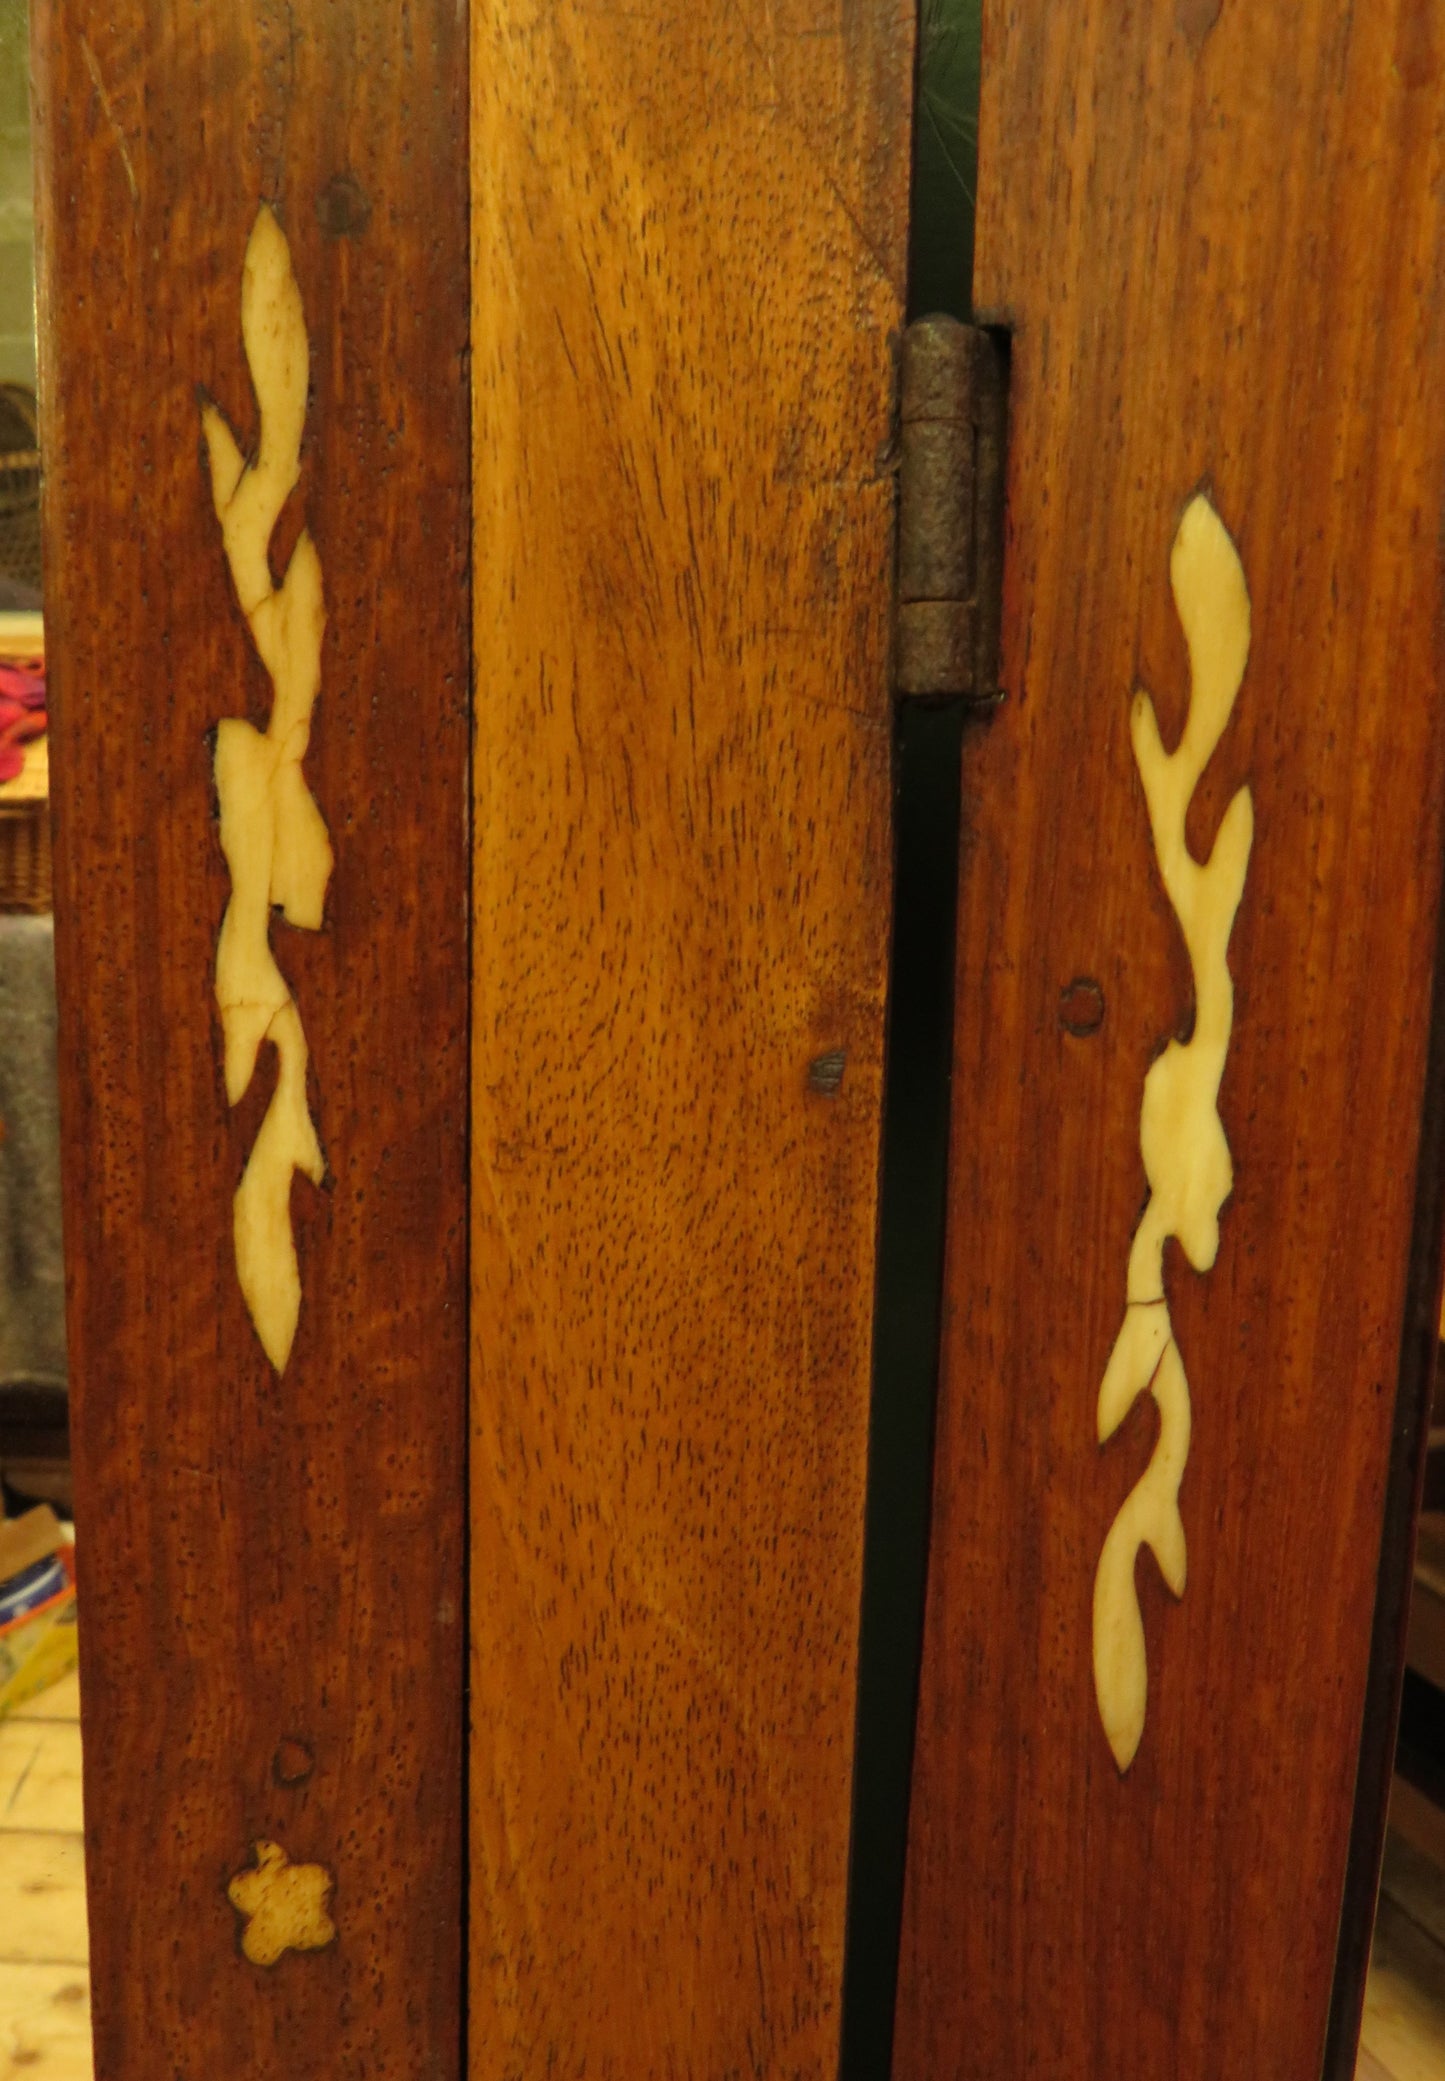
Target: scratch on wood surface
92 66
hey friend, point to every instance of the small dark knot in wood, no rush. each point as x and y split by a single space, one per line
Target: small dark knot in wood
1081 1007
825 1072
293 1762
343 207
1196 18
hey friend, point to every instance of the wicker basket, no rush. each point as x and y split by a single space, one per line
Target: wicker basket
25 882
19 488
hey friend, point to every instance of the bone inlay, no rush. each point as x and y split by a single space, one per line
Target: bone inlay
283 1906
1181 1136
272 833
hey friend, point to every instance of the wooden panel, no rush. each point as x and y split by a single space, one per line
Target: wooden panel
686 279
270 1566
1182 215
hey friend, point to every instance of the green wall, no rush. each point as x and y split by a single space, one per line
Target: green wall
17 208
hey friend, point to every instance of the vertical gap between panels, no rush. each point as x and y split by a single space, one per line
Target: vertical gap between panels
468 843
926 771
1419 1349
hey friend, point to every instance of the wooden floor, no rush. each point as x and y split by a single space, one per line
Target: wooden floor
44 1979
45 1987
1404 2035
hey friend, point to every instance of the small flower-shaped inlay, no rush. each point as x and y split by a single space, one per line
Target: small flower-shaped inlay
283 1905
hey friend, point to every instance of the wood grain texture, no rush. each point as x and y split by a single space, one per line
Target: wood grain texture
686 275
1219 243
262 1561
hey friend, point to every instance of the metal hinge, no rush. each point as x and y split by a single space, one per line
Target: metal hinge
950 511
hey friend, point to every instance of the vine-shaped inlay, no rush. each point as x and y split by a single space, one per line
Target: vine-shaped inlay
272 833
1181 1136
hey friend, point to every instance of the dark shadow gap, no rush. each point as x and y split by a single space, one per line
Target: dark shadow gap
1419 1351
907 1327
927 749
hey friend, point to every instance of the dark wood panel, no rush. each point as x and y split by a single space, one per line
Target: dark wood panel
1217 234
271 1566
686 280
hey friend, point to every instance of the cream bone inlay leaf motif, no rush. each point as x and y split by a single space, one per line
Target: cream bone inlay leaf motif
1181 1136
272 834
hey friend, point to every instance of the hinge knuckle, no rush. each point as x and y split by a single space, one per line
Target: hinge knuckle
950 515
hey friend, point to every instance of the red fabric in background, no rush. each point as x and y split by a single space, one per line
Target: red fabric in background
22 713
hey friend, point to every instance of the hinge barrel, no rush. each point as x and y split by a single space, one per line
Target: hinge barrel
950 517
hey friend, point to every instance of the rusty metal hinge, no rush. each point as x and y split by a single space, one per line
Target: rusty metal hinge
950 511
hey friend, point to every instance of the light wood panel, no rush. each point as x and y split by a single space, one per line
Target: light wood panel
1217 236
688 238
270 1569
